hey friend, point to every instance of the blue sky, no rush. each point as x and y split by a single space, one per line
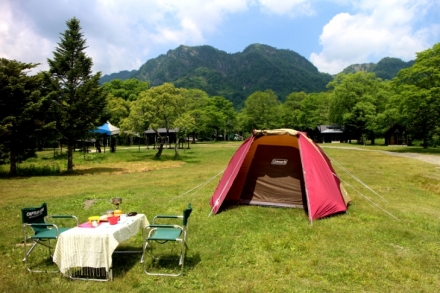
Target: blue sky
124 34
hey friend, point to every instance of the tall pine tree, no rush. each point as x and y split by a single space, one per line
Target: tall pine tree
78 101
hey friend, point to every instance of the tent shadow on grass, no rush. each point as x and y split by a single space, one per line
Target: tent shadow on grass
227 205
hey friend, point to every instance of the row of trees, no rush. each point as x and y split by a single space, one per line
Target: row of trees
67 102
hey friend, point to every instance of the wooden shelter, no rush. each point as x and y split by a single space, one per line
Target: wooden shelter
396 135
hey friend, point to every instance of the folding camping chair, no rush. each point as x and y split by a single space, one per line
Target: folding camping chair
36 229
163 233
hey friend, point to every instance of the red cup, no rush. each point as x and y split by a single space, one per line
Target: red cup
113 220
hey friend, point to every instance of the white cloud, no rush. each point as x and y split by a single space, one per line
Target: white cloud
18 42
287 7
120 34
380 29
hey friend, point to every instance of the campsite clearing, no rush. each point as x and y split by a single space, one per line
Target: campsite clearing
244 248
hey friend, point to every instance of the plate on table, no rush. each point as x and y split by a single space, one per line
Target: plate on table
105 218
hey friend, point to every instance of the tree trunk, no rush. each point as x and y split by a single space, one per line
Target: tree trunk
425 136
373 138
70 157
176 147
13 166
160 149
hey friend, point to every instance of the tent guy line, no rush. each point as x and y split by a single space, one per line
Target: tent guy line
198 186
355 178
369 199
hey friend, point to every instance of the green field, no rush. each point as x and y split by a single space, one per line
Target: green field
244 248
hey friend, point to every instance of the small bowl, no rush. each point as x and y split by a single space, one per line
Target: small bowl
113 220
94 218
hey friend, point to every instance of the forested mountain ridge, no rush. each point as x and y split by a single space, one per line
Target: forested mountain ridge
386 68
123 75
234 76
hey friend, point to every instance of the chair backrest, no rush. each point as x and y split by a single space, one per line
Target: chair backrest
186 214
34 215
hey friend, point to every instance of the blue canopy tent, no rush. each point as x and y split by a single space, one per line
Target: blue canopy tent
107 129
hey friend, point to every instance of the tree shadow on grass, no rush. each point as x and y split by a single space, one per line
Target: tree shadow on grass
89 171
428 151
93 171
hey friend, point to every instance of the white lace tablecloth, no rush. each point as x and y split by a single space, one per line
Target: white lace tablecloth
93 247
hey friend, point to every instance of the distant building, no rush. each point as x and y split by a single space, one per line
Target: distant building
396 135
328 134
152 137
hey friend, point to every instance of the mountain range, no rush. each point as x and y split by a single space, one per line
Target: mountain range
236 76
386 68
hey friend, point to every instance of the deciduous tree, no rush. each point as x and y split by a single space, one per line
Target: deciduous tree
358 100
419 90
262 111
158 107
218 115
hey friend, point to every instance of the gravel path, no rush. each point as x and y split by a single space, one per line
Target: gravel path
433 159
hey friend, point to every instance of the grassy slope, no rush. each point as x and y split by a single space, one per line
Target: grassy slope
246 248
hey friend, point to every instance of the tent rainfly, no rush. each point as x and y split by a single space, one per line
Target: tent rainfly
281 167
107 128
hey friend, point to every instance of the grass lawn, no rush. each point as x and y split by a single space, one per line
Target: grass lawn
244 248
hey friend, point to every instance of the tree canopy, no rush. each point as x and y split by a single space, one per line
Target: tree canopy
419 90
21 112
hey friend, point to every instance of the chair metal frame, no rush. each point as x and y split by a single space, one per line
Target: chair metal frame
39 231
162 234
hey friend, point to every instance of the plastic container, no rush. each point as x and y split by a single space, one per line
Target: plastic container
94 218
113 220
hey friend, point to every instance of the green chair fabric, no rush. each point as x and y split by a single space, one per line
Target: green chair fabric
167 233
38 231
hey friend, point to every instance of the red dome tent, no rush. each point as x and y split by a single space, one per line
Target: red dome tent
281 167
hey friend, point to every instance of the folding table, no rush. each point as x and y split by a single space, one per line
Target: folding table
88 250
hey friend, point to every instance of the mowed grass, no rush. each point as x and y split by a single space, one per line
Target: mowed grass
243 248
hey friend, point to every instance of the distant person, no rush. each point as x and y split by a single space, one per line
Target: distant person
98 146
112 145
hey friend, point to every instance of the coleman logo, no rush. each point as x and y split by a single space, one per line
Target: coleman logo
279 162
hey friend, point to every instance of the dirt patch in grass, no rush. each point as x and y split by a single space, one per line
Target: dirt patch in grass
88 203
433 159
125 167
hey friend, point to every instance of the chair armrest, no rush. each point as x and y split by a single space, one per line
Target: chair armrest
64 217
154 227
165 226
40 225
166 217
